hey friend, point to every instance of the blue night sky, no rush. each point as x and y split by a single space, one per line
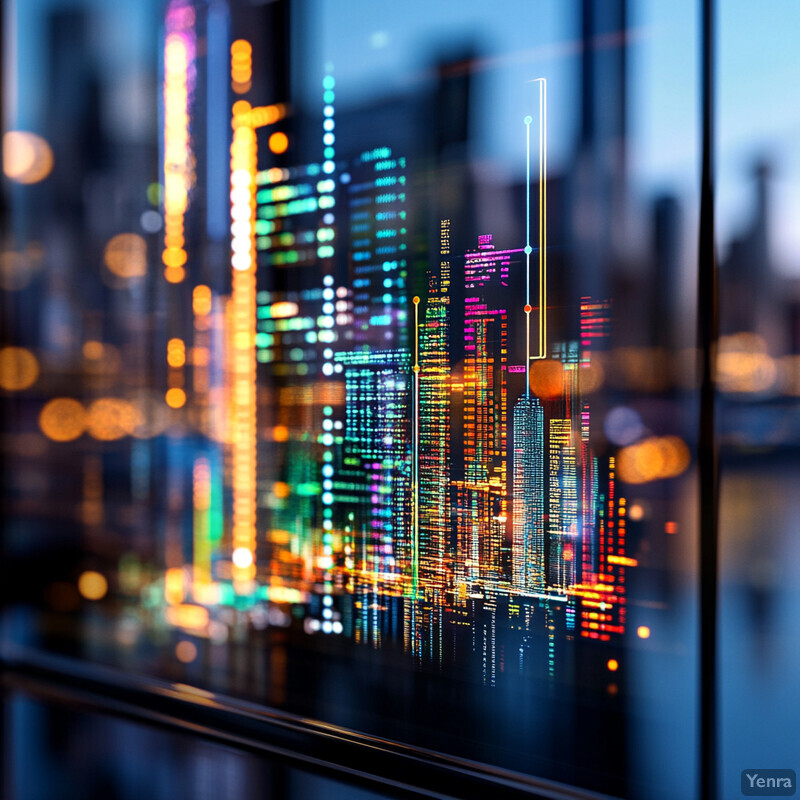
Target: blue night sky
378 47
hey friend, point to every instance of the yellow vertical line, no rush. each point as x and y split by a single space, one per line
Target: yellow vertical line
542 218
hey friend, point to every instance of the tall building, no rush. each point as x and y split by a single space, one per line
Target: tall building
434 421
602 592
373 482
482 495
528 502
564 438
376 194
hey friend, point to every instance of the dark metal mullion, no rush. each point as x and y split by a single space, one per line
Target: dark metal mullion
708 455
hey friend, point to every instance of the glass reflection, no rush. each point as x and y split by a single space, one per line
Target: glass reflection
349 364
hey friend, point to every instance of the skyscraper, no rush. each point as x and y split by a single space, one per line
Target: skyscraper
563 455
528 482
434 421
482 496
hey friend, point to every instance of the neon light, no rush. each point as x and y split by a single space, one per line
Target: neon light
179 58
242 346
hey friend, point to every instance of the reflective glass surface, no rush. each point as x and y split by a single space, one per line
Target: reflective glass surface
349 366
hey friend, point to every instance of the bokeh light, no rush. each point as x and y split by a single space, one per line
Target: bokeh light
151 418
63 419
623 425
743 364
280 433
279 142
242 557
174 274
653 458
19 369
201 300
547 378
155 193
27 157
185 652
188 616
176 353
125 255
284 309
175 397
101 358
636 512
92 585
241 66
111 418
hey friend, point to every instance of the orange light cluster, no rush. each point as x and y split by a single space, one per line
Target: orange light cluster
178 168
201 300
622 561
176 353
654 458
258 117
187 616
241 315
241 66
176 358
112 418
173 586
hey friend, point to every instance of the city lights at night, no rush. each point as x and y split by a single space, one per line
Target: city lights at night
401 374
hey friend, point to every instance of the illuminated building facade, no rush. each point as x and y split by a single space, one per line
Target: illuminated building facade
564 437
373 481
434 418
528 498
376 195
368 435
482 495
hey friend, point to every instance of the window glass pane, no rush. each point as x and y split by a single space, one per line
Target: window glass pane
759 187
349 365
